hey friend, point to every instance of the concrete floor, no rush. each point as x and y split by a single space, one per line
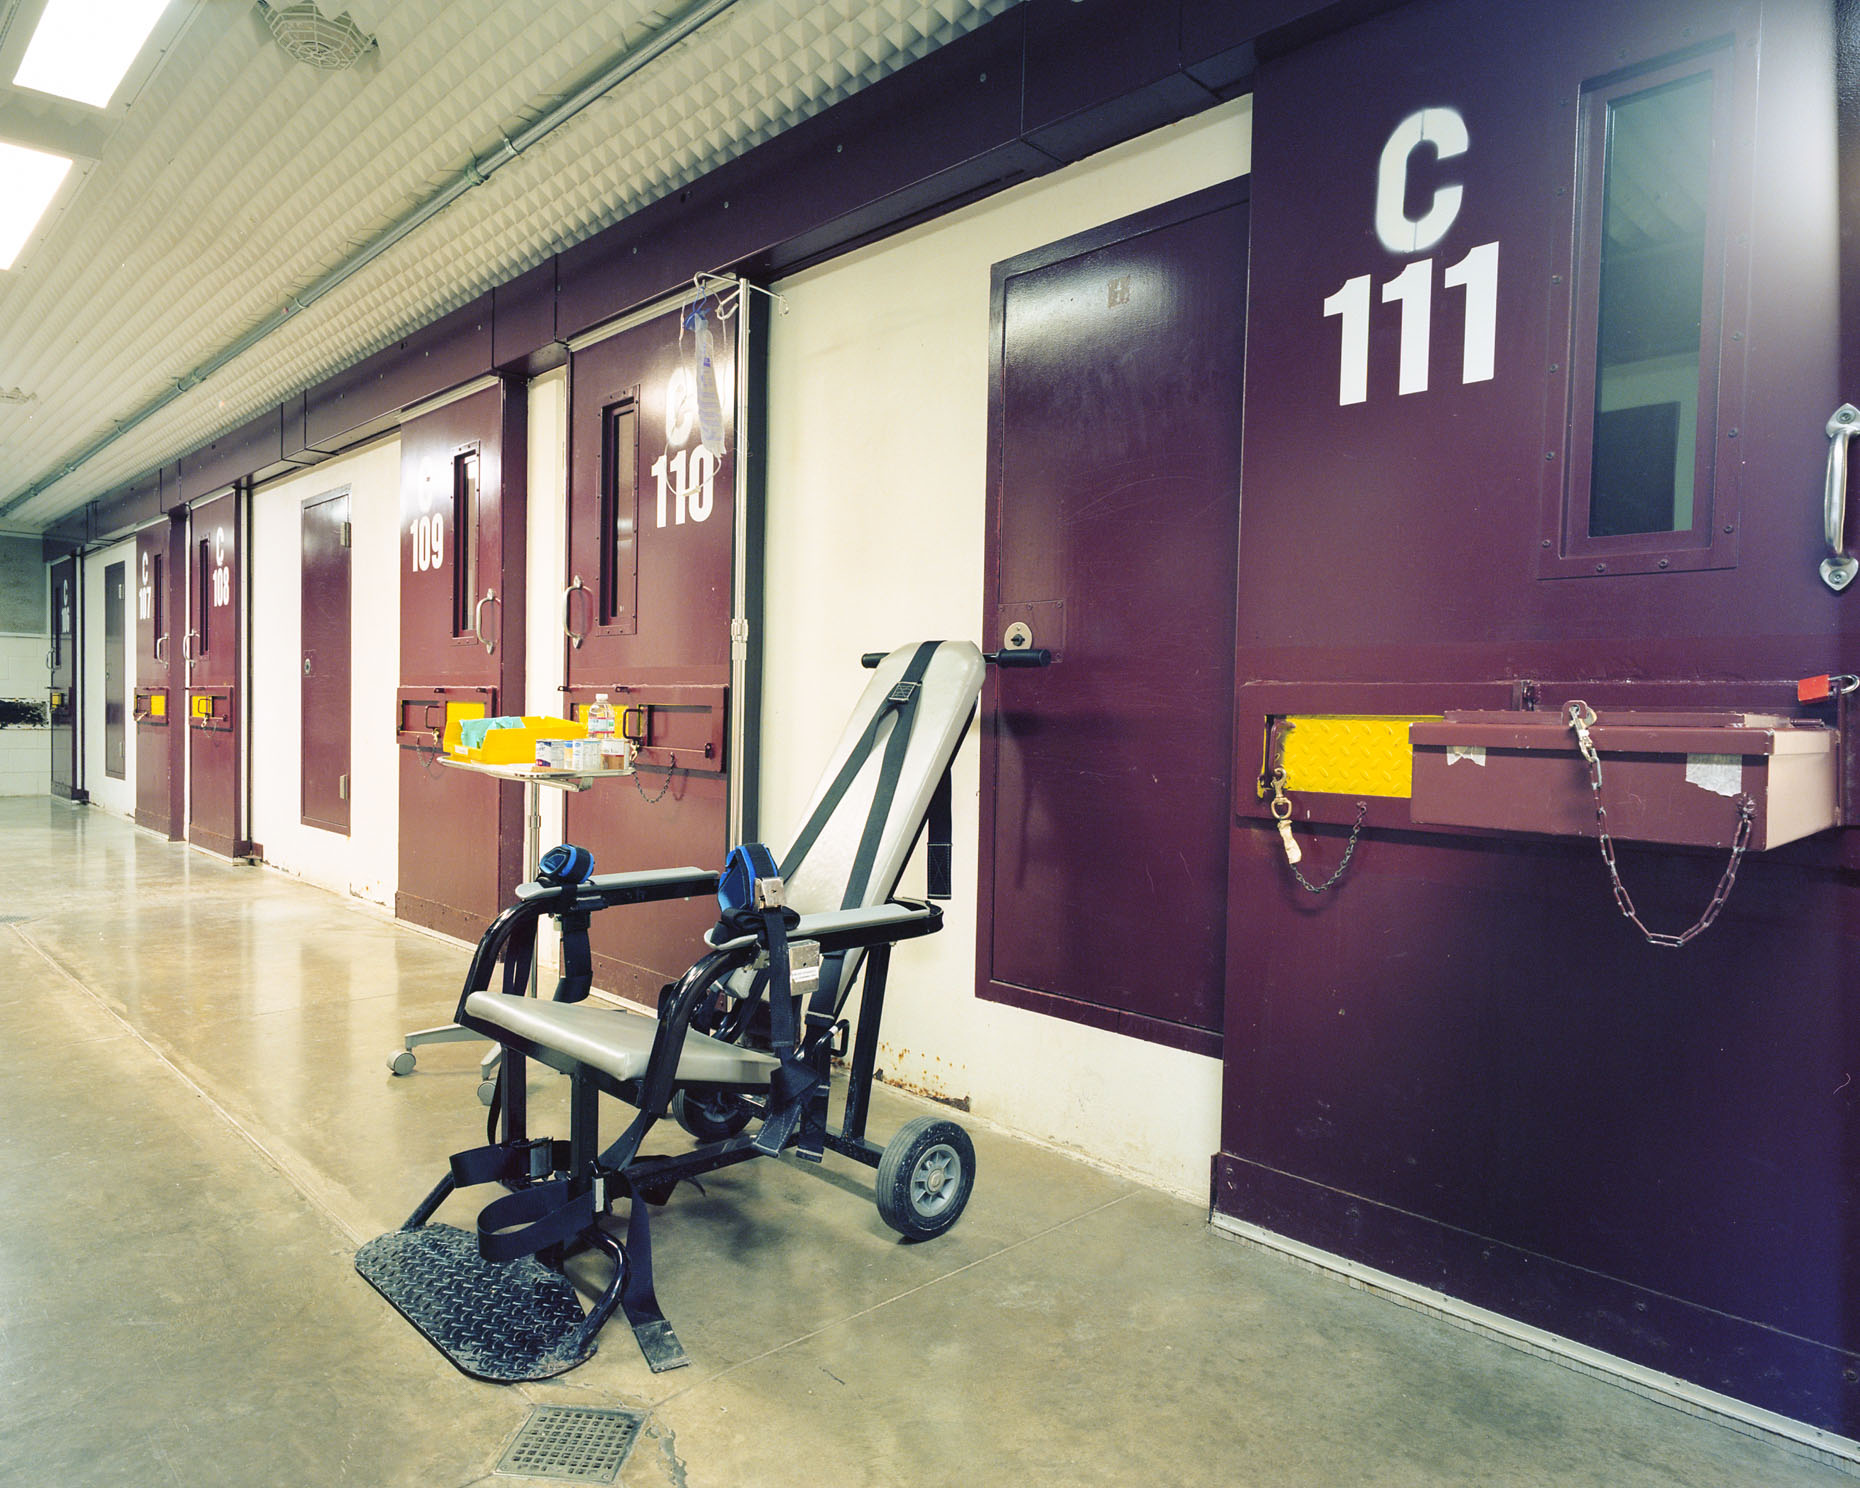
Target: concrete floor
201 1129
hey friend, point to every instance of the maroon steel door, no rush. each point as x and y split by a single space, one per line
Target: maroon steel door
62 710
462 498
325 634
1543 332
156 727
1114 521
651 537
216 531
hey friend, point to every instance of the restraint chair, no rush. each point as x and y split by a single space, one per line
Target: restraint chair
745 1037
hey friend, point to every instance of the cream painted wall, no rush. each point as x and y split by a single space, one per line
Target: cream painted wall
878 438
112 795
365 863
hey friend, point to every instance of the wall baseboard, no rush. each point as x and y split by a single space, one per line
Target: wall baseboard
1794 1436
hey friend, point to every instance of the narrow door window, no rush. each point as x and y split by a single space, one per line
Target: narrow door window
619 511
1649 290
205 592
464 541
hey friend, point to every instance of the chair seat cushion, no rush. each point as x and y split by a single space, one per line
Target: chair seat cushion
614 1040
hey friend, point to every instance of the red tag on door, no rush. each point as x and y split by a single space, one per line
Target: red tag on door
1811 689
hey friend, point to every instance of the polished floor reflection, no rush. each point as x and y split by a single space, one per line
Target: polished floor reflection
201 1128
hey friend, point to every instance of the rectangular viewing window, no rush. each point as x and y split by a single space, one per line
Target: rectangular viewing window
620 511
1647 308
464 542
204 607
157 608
1656 183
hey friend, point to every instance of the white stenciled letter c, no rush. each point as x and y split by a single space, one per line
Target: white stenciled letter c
1445 130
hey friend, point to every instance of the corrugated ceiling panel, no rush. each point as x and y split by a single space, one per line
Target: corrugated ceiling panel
240 176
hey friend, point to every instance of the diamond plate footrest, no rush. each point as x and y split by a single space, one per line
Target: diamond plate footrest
508 1321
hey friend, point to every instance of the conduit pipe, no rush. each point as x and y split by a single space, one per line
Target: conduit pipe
622 67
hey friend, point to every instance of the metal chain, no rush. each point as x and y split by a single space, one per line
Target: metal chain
1349 852
1579 715
1281 809
654 800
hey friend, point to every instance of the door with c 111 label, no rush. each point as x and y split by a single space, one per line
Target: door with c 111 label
1548 320
656 577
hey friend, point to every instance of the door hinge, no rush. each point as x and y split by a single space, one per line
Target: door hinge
739 639
348 534
342 787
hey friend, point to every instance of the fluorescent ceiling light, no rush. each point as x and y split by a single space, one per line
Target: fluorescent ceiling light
29 179
82 48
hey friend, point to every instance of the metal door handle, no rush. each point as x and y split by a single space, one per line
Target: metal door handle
1837 569
568 610
477 620
187 646
161 649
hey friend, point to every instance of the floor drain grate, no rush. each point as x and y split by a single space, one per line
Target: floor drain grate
572 1444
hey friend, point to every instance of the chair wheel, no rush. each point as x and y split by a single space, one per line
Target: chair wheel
487 1092
925 1177
401 1061
709 1118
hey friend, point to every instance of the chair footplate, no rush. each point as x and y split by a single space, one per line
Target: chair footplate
504 1322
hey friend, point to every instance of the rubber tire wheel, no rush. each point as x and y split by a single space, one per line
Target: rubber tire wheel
709 1120
925 1177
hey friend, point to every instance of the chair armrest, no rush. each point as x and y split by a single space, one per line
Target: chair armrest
604 890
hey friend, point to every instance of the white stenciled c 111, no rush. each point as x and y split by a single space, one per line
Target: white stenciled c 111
1413 287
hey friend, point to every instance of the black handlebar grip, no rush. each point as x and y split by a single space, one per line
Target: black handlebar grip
1033 656
871 659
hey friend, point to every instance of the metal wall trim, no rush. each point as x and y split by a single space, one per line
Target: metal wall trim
440 400
623 323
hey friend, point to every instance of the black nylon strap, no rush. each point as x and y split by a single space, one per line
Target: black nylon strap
900 706
547 1212
939 871
504 1162
577 978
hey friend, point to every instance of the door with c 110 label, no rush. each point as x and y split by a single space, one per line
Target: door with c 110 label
657 589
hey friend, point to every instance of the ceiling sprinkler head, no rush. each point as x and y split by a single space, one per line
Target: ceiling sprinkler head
311 37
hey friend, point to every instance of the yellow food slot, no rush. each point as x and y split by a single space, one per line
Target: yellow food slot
1349 755
202 707
158 705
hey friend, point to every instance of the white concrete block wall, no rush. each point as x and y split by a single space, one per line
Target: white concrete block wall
878 439
366 862
108 793
25 753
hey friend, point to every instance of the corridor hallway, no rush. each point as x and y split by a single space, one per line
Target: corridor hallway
200 1130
